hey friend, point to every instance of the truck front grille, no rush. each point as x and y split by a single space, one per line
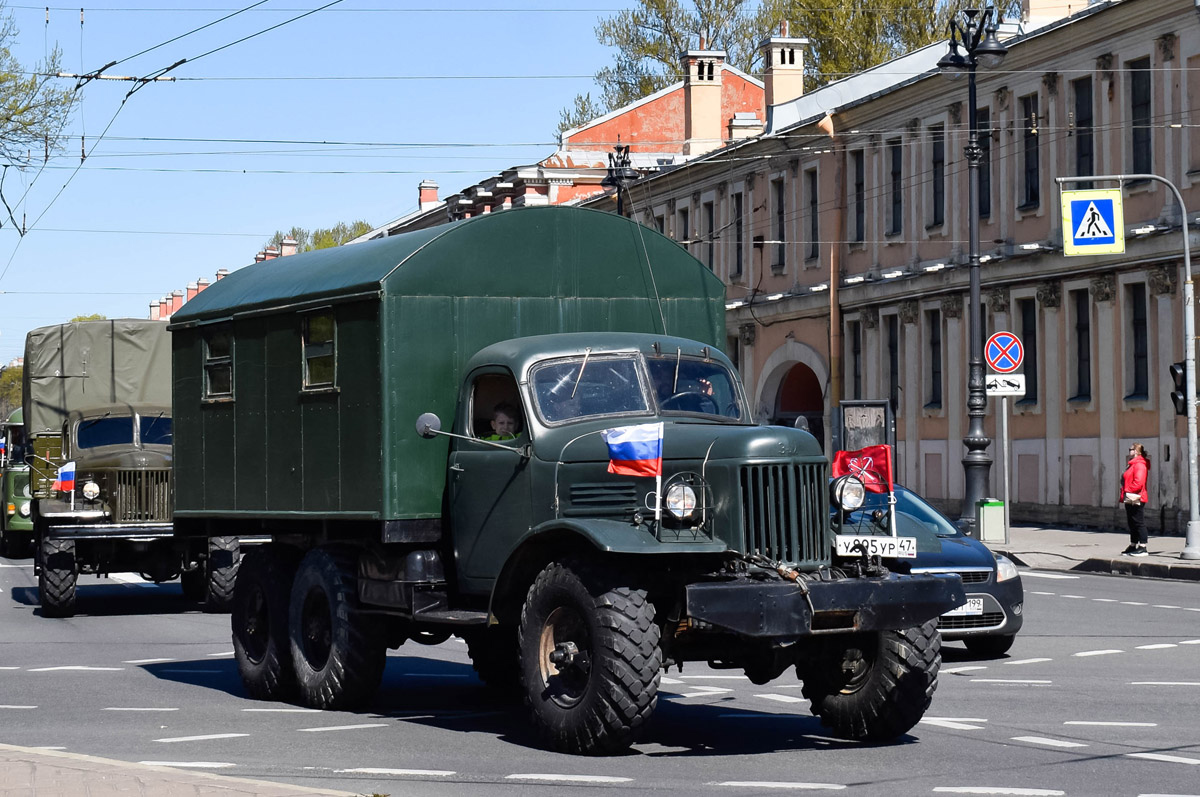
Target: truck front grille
785 511
141 496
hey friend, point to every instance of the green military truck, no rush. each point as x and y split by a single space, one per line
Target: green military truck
97 410
309 398
16 524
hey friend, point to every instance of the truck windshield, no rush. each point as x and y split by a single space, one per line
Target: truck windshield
110 431
690 385
569 389
155 430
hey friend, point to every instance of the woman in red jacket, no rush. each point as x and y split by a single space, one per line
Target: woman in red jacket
1135 496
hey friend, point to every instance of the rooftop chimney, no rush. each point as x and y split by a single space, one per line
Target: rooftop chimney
176 301
154 308
222 273
164 307
288 246
201 284
270 253
702 99
427 191
192 290
784 60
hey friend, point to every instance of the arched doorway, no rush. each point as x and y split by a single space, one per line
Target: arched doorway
800 395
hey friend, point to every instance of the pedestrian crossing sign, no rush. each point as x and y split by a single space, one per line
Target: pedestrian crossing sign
1093 222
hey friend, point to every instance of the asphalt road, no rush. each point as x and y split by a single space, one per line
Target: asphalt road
1099 696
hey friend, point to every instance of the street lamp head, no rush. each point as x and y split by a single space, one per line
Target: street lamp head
990 52
953 64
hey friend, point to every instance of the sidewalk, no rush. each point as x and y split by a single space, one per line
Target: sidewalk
1086 550
30 772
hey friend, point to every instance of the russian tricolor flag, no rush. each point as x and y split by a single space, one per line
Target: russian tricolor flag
635 450
65 480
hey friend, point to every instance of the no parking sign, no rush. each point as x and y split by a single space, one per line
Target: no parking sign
1004 352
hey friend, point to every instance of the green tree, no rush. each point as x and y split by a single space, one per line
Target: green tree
92 317
10 390
34 109
320 238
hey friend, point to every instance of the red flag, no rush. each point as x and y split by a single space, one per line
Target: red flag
872 464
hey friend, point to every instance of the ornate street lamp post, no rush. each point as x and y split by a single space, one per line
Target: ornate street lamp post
973 43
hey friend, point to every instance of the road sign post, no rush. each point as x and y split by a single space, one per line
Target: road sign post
1192 548
1005 353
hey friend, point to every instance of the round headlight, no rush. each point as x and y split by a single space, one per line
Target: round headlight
681 500
91 490
849 493
25 491
24 509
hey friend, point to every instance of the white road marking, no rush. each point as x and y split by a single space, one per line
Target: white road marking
1133 603
704 691
1164 683
955 670
17 668
999 790
18 706
147 661
716 677
670 681
49 747
204 738
18 566
1163 606
135 708
1170 759
285 710
1085 653
1042 593
343 727
569 778
1191 609
1105 600
1047 742
1190 642
226 654
775 784
1075 597
1159 646
954 723
418 773
1113 724
783 698
189 764
1010 681
1028 661
80 667
130 580
1036 574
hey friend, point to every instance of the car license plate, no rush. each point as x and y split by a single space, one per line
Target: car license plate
972 606
891 547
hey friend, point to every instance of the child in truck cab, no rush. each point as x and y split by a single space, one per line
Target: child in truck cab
505 418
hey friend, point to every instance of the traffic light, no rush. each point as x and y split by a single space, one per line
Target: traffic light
1179 396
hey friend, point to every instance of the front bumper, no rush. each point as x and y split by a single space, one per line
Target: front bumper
1003 613
105 531
779 609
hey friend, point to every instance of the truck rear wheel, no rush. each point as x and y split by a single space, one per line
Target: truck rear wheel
590 660
224 556
338 654
57 577
260 618
874 687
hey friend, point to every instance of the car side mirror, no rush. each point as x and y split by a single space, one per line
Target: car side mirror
428 425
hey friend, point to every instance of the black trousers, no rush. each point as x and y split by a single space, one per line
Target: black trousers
1136 515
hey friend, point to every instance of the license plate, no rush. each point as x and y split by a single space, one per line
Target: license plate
891 547
972 606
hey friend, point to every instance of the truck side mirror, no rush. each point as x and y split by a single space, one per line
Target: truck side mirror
428 425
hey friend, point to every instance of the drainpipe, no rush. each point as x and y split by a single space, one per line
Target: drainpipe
835 271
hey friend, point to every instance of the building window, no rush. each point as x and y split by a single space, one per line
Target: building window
896 187
685 229
855 359
739 234
1027 308
860 200
983 133
934 321
893 349
218 363
937 152
1031 182
1085 154
1140 367
1082 306
814 237
780 229
710 233
1139 114
660 223
319 364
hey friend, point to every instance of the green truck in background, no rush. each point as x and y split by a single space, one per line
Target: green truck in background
16 523
309 393
97 411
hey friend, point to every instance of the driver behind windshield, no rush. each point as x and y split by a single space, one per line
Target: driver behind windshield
693 386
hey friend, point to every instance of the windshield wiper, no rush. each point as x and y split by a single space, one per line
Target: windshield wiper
586 353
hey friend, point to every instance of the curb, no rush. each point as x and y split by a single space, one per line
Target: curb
1139 567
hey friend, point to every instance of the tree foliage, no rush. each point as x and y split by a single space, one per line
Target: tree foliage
34 109
10 390
320 238
92 317
846 36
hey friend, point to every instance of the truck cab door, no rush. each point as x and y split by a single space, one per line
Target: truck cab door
489 487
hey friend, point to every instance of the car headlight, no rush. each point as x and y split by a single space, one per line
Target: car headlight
680 501
24 509
91 490
848 493
1005 569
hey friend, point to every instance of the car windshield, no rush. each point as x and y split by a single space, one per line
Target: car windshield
108 431
155 430
914 517
691 385
588 386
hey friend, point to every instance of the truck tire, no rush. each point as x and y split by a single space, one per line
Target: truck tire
224 556
338 653
874 687
57 577
590 660
496 660
259 619
992 646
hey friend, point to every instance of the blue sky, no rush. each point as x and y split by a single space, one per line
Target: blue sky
149 212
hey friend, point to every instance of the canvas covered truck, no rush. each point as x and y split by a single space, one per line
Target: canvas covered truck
97 411
346 402
16 524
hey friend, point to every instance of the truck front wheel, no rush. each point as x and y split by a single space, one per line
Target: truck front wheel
337 652
259 619
590 660
57 577
874 687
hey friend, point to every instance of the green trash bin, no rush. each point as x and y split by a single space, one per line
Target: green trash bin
991 522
